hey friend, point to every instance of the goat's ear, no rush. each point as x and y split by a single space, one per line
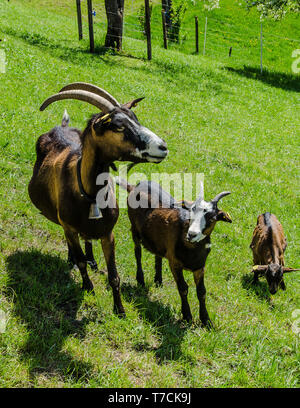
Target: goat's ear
286 270
183 204
259 268
223 216
133 104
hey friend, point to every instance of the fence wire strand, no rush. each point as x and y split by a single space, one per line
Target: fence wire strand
237 41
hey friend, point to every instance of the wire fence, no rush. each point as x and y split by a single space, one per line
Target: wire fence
208 38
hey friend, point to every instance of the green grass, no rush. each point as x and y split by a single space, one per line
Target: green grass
218 117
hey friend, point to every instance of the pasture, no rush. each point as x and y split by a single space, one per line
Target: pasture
220 118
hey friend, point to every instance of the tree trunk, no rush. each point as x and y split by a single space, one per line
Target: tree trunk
114 12
167 6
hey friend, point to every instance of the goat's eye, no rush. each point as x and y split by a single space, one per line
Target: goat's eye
121 129
205 211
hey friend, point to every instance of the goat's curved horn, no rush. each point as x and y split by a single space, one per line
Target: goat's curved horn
219 196
285 270
201 194
84 86
96 100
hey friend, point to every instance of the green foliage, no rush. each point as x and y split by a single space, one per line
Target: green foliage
178 10
141 17
275 9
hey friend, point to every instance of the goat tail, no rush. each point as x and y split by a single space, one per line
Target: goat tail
123 183
65 119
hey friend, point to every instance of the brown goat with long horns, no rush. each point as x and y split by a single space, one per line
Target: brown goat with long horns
65 179
268 246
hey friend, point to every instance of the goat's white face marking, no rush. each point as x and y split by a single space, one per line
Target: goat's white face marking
198 222
152 152
152 148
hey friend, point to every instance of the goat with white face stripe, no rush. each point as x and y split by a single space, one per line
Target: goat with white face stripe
177 231
203 216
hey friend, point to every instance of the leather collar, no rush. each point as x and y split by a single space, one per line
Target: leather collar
83 194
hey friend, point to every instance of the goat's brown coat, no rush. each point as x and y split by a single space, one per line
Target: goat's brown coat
163 232
268 246
54 187
268 242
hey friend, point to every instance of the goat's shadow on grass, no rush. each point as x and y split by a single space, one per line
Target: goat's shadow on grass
260 288
282 80
46 299
161 317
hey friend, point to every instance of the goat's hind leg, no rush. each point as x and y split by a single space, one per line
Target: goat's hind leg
158 269
71 258
90 255
80 259
138 256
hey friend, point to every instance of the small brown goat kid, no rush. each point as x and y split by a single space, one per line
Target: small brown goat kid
179 232
268 246
63 186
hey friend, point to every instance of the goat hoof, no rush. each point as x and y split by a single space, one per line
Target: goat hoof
188 318
120 312
207 324
73 266
88 286
93 265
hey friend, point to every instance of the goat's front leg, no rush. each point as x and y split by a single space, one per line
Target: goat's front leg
90 255
201 294
282 285
158 269
255 277
183 291
108 247
79 258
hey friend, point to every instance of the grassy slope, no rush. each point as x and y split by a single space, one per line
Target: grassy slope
243 133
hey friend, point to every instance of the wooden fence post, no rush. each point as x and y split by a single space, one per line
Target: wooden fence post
197 34
204 45
91 27
148 29
163 14
79 19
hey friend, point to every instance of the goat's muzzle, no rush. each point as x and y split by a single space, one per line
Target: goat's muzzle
154 150
161 154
